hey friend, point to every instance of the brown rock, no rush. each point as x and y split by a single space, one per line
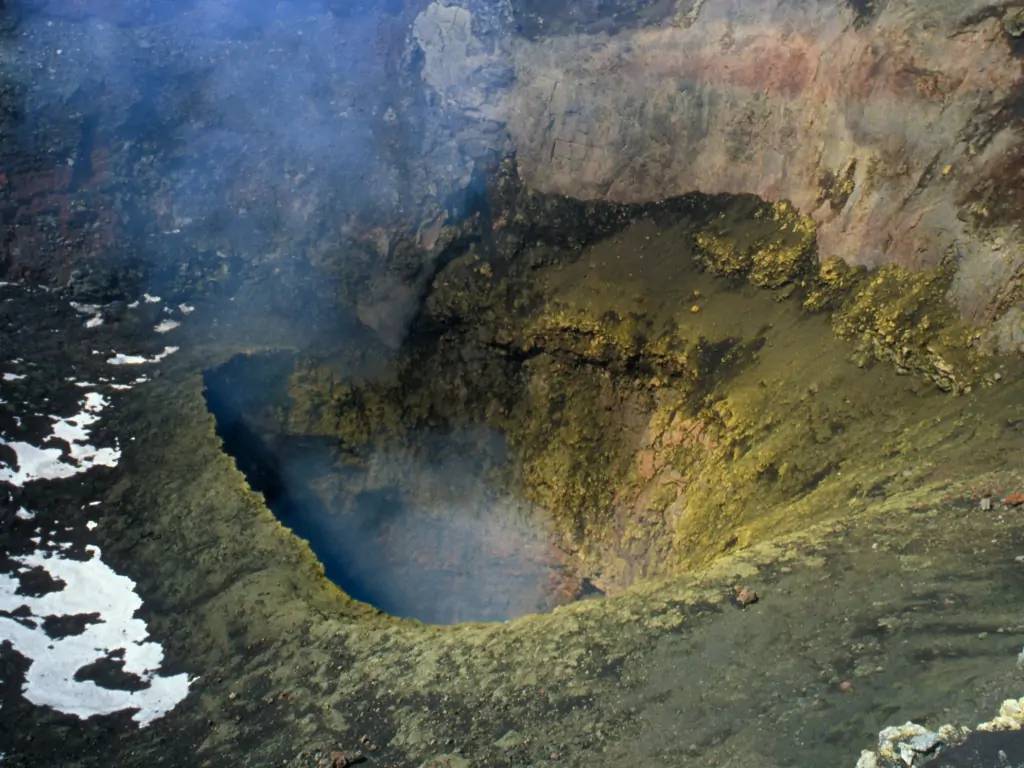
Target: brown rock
340 759
746 596
646 468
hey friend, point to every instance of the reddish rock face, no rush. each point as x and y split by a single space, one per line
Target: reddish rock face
900 134
56 216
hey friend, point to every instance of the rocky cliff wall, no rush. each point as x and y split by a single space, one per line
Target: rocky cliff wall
338 140
896 125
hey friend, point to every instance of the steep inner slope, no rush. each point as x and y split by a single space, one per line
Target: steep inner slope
664 394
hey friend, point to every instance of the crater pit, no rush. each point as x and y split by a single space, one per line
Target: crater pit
422 530
594 395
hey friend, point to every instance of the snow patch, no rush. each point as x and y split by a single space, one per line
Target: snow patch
34 464
14 377
90 587
164 326
151 299
95 402
94 312
37 463
85 309
120 359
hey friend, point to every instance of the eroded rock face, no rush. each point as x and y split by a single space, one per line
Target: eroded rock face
895 125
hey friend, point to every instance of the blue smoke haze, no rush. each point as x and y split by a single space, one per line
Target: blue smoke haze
208 137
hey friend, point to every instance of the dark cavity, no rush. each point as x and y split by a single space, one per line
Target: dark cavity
423 533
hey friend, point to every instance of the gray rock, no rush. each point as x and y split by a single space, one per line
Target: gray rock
447 761
925 743
1013 22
